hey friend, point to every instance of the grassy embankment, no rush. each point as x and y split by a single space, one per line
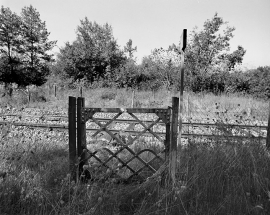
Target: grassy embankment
218 178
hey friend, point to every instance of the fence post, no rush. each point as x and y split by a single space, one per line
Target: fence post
72 136
132 102
168 135
173 138
29 94
268 130
81 92
154 94
54 88
81 133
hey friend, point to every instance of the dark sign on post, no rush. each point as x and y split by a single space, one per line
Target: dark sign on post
183 40
183 45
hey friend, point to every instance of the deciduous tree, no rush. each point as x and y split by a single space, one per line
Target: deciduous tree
94 54
129 49
163 66
209 48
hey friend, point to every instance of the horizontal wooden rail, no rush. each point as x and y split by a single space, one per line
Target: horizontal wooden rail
190 123
222 136
34 125
195 124
185 135
32 116
126 110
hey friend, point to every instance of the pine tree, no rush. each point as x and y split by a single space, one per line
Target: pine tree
10 40
34 50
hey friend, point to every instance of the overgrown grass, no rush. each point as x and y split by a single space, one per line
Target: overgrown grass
100 97
217 177
214 178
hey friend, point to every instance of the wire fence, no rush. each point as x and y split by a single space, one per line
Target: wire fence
222 121
203 118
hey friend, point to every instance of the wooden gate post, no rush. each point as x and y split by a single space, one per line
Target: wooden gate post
81 133
72 136
173 138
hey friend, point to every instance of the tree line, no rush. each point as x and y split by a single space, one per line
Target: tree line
94 58
24 47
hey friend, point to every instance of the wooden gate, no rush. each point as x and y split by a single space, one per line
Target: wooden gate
128 140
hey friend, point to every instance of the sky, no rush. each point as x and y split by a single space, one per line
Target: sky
158 23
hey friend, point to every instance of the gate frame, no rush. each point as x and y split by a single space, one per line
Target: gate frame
77 135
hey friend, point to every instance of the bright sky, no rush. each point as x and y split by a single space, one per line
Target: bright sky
158 23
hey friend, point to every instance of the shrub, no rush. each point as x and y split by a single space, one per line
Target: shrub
37 97
108 94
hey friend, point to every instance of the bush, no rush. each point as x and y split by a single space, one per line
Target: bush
108 94
37 97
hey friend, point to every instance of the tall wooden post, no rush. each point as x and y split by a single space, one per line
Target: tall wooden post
268 130
81 133
183 45
29 94
133 96
168 135
54 88
81 92
173 138
154 94
72 136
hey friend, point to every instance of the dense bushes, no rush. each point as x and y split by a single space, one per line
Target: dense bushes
259 82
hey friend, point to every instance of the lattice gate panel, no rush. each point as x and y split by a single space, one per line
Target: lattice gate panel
128 159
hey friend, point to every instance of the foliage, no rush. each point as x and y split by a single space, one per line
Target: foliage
95 57
35 47
238 82
207 57
24 47
253 82
209 47
94 54
10 41
208 63
130 75
213 82
129 49
259 82
164 65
